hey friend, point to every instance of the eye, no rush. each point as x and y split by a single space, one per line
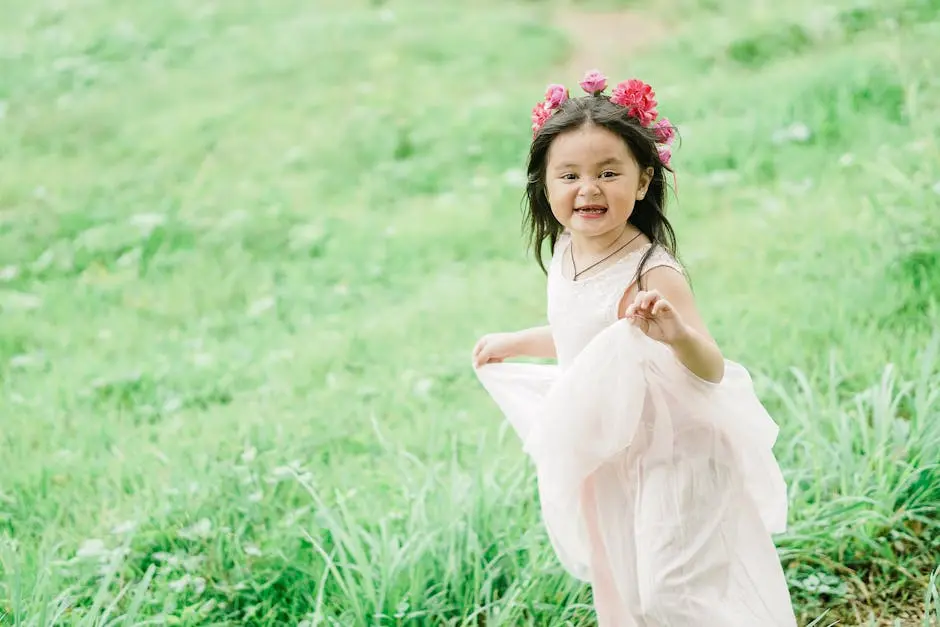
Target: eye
608 174
568 176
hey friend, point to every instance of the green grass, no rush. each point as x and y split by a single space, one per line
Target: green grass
244 255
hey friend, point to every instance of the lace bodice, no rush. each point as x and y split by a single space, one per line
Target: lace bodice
579 310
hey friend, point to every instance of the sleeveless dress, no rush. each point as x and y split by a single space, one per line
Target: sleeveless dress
657 487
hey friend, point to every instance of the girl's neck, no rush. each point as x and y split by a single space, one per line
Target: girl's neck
599 244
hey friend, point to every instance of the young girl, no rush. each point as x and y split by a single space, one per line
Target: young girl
657 480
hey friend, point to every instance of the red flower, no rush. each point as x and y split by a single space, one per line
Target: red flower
638 99
540 114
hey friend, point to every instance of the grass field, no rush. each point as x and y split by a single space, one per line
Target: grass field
245 253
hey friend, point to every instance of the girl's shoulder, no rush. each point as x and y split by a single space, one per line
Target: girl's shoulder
655 255
563 238
561 245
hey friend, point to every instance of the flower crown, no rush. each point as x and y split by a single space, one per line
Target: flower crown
634 95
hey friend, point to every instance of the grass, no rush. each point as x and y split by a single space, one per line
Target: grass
245 253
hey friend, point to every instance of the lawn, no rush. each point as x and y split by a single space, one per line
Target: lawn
245 253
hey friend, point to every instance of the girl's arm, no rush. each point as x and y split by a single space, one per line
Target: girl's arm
678 324
536 342
496 347
700 354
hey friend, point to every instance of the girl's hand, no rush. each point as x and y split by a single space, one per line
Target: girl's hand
494 348
657 318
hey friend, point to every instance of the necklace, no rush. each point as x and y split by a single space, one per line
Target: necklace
596 263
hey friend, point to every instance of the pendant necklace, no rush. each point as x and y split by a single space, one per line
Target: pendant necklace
597 263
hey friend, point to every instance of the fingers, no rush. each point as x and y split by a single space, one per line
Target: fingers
644 303
482 355
645 300
484 359
662 306
478 351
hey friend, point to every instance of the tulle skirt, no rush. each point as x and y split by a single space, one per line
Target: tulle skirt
657 487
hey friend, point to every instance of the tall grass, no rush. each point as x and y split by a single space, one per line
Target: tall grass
463 546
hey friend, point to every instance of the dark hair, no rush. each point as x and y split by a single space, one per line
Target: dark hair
648 214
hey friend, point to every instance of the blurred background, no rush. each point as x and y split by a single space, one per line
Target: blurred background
246 249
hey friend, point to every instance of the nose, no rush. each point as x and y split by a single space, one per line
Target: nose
588 188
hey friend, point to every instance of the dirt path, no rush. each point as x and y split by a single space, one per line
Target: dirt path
603 39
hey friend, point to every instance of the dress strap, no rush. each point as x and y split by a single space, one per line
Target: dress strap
559 249
659 258
562 241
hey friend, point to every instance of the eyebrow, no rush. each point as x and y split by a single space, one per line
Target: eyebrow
609 161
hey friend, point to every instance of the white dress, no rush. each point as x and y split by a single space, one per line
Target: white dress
659 488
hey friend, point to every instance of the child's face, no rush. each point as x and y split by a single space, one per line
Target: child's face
593 181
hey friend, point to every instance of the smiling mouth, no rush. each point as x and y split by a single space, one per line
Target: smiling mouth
593 210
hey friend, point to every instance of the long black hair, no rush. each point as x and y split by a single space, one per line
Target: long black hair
648 216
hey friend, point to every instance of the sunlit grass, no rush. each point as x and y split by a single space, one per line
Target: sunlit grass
244 255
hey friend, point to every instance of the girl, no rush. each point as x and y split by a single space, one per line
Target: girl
657 480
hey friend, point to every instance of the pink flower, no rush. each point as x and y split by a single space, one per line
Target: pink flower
540 114
647 117
593 82
556 95
665 154
665 133
638 98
